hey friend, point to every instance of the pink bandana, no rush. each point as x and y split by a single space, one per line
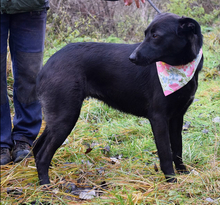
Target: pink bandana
172 78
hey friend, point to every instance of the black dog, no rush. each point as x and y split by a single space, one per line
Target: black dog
103 71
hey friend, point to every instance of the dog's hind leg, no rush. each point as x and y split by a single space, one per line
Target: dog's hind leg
175 127
53 139
160 129
56 132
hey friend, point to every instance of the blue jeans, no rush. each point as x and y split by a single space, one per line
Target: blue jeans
26 33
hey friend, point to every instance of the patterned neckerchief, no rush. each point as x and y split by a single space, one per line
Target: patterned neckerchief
172 78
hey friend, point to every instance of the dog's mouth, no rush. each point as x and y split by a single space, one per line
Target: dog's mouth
140 61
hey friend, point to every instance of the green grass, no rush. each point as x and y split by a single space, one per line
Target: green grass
136 177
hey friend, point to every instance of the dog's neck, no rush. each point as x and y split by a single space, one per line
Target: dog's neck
172 78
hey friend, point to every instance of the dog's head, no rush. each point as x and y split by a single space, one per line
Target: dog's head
169 38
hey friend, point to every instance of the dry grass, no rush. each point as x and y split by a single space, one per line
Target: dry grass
130 180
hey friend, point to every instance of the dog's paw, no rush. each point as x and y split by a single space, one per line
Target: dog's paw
182 169
171 179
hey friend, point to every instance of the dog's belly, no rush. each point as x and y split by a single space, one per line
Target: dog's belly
125 102
146 104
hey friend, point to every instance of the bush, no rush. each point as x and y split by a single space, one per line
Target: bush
98 19
205 12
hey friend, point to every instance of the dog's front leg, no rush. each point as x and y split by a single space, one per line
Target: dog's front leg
161 134
175 128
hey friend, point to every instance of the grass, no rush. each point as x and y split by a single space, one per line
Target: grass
135 177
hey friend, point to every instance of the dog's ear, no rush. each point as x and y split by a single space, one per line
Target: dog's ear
191 29
188 26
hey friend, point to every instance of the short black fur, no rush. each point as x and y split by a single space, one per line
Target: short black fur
103 71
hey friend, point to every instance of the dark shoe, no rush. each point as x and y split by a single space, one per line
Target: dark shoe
5 155
20 151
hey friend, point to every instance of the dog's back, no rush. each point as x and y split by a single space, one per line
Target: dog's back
102 71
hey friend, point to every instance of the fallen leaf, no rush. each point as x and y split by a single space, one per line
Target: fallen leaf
100 170
114 160
55 191
195 100
88 150
14 191
186 126
69 186
66 141
155 167
209 199
205 131
216 120
106 150
87 194
84 193
195 172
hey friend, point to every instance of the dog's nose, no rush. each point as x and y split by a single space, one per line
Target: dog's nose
133 57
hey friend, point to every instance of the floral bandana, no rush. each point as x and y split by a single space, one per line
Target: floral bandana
172 78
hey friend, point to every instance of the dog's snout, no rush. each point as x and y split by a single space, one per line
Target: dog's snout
133 58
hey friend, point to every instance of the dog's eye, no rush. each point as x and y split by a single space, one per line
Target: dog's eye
154 35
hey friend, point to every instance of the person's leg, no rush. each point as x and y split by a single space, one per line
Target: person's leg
6 142
27 34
